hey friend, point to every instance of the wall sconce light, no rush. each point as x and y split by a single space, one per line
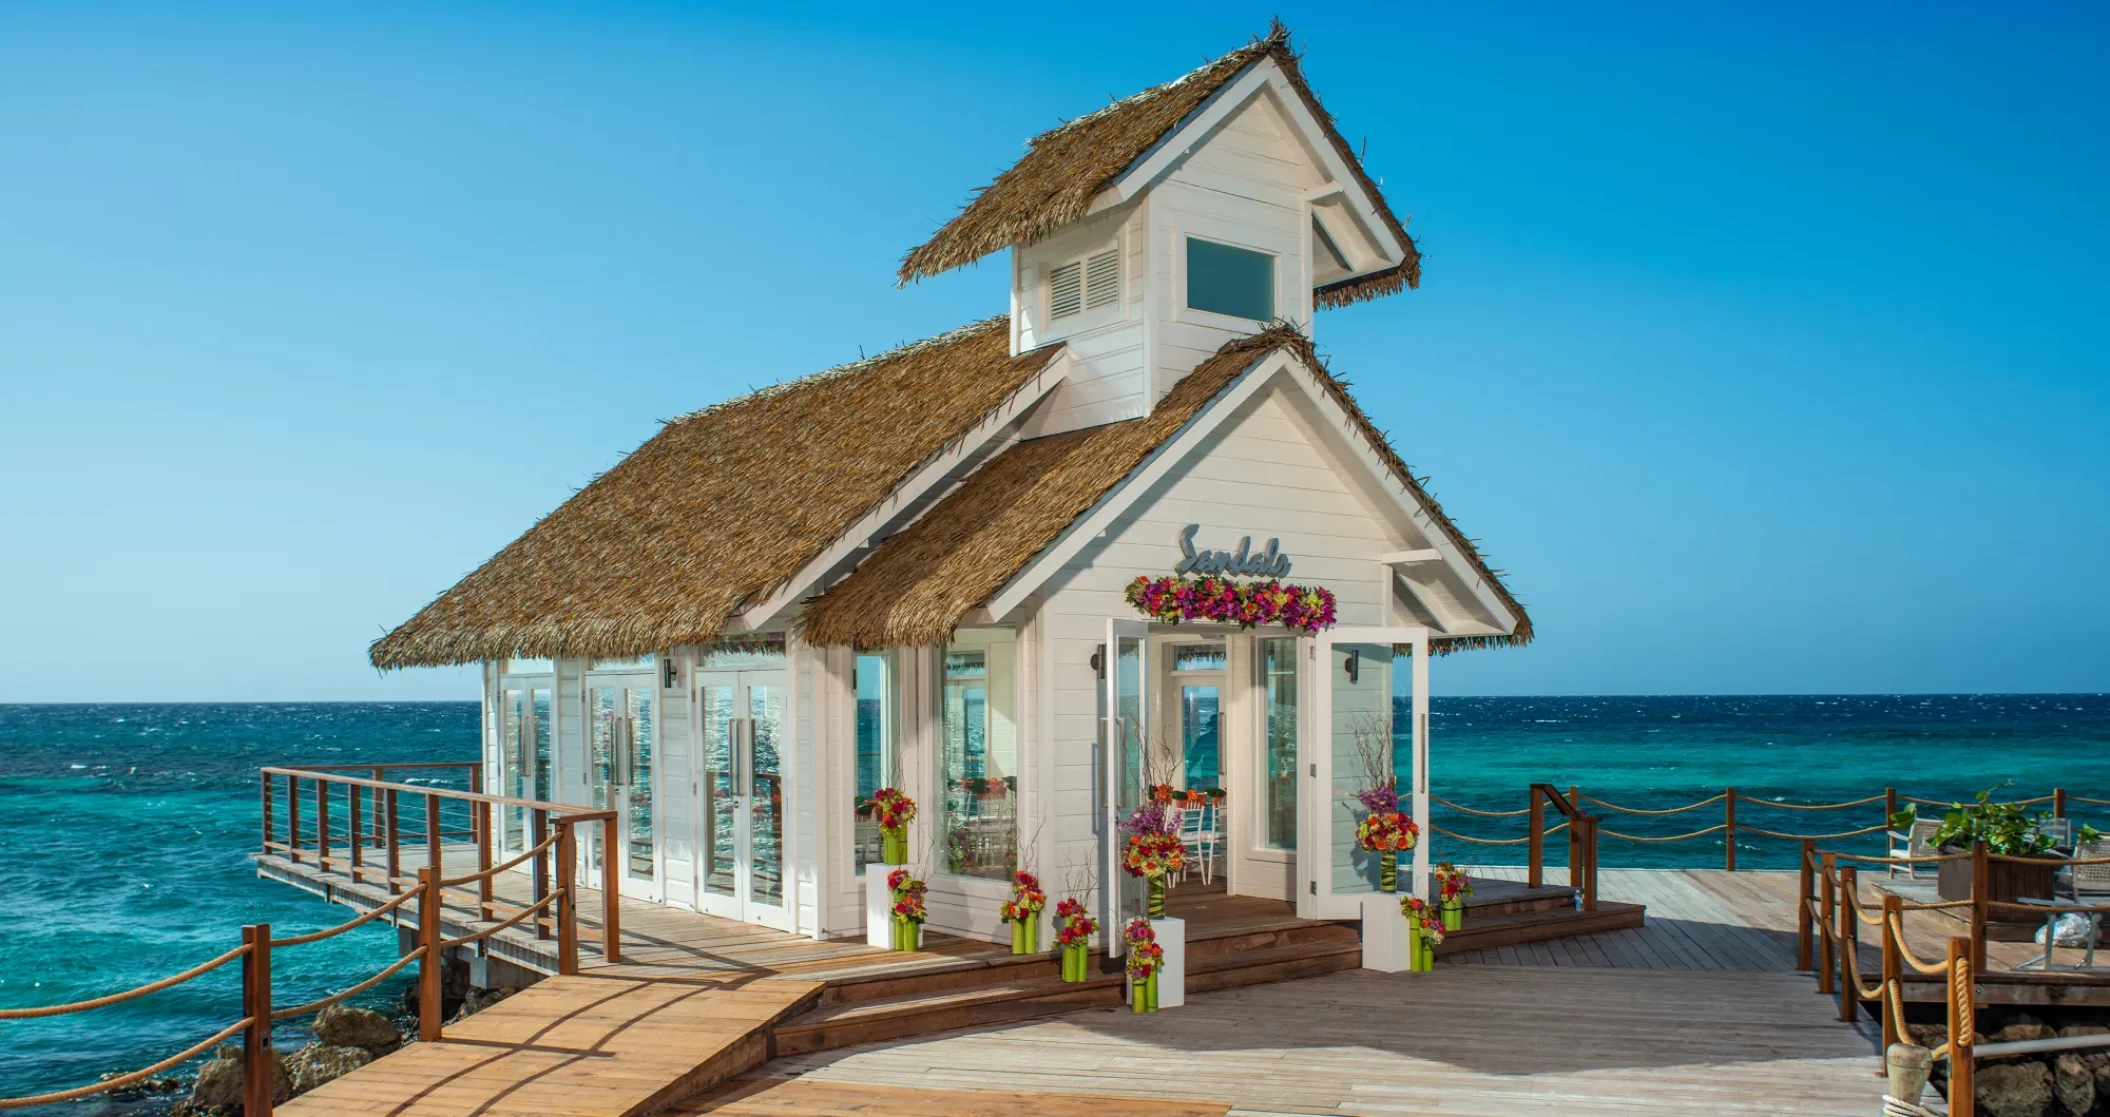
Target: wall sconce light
1355 666
669 673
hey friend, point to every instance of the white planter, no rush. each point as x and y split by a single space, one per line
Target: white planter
1172 980
1384 934
879 907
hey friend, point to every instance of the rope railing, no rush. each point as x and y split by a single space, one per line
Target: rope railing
1811 837
516 917
333 932
1463 809
169 982
339 998
1756 801
537 849
1641 810
130 1079
1716 828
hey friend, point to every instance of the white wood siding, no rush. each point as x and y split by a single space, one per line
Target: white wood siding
1258 475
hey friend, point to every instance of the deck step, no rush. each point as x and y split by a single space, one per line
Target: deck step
1509 901
1485 932
1007 970
1040 991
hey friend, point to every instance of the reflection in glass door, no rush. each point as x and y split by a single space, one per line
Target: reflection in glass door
1372 726
742 714
621 730
524 757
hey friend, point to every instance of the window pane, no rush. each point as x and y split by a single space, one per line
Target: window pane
1234 281
979 761
1198 736
1279 663
875 750
1197 657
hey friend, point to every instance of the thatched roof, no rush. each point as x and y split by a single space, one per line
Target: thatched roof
1065 168
720 508
916 588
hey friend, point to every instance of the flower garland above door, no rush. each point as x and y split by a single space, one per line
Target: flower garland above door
1175 599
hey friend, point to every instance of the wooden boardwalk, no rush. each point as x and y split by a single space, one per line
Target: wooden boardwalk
1700 1010
1485 1040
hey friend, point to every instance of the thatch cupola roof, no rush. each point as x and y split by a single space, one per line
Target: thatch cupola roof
921 583
720 508
1066 168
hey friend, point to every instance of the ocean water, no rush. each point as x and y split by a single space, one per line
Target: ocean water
125 830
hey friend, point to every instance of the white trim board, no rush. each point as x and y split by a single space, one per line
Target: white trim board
904 497
1264 74
1257 376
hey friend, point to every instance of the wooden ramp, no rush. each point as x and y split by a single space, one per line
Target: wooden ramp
574 1047
802 1097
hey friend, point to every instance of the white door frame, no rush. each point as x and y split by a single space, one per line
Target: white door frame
1316 898
1113 732
644 682
742 904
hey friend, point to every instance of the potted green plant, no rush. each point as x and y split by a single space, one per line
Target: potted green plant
2006 829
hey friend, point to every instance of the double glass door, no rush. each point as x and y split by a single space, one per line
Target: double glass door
742 715
621 730
526 761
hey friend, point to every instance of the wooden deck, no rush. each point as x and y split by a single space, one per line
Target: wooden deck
1697 1010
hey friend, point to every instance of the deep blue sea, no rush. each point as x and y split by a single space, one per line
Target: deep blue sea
125 830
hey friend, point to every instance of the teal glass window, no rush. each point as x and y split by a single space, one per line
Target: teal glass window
1226 280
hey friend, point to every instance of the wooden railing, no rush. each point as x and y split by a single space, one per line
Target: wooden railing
1831 917
369 847
1582 841
1731 826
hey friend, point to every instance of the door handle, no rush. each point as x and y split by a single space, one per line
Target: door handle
623 730
743 756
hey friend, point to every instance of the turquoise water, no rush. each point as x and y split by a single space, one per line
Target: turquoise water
124 830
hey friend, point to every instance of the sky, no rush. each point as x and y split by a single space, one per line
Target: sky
1762 346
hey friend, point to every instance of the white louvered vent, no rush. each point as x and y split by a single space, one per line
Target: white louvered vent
1102 279
1066 290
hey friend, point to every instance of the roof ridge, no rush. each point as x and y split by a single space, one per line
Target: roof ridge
862 364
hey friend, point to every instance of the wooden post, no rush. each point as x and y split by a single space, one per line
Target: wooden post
1804 949
393 840
293 817
1981 896
567 909
1963 1023
483 859
1849 944
322 823
355 834
266 850
1537 872
480 821
1893 910
1729 831
1589 885
434 855
539 821
380 833
611 900
431 965
2058 802
1827 919
1890 805
256 1005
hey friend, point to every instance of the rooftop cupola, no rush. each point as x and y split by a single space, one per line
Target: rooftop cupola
1147 234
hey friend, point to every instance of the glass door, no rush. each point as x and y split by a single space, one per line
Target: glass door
1371 721
525 767
1124 734
742 715
621 728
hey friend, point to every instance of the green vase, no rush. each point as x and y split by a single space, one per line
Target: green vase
1032 925
1387 871
908 934
1453 915
1018 936
1150 991
893 847
1073 964
1157 896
